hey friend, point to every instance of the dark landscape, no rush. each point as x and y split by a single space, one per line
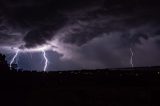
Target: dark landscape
79 53
103 87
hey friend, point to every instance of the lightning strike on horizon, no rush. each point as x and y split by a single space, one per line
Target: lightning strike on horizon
131 58
13 59
46 60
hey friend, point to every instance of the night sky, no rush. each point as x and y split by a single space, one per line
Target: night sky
80 34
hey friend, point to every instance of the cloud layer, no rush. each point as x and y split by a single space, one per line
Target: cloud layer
90 34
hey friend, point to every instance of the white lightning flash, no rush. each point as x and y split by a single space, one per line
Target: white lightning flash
13 59
46 60
131 59
42 49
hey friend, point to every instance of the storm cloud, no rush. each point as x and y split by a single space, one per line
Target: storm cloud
90 34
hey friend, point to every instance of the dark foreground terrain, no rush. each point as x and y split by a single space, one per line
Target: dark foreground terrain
107 87
114 87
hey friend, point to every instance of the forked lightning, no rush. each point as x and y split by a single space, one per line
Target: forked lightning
46 60
44 55
13 59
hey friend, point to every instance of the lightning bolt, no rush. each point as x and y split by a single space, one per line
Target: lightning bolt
131 58
46 60
41 49
13 59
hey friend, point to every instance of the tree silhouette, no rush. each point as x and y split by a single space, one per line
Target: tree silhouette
3 63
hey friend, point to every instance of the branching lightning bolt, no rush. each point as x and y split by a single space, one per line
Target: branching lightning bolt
46 60
13 59
131 59
40 49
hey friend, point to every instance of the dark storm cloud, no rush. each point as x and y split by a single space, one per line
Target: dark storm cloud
41 35
130 40
37 37
90 18
39 19
92 33
9 40
130 19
